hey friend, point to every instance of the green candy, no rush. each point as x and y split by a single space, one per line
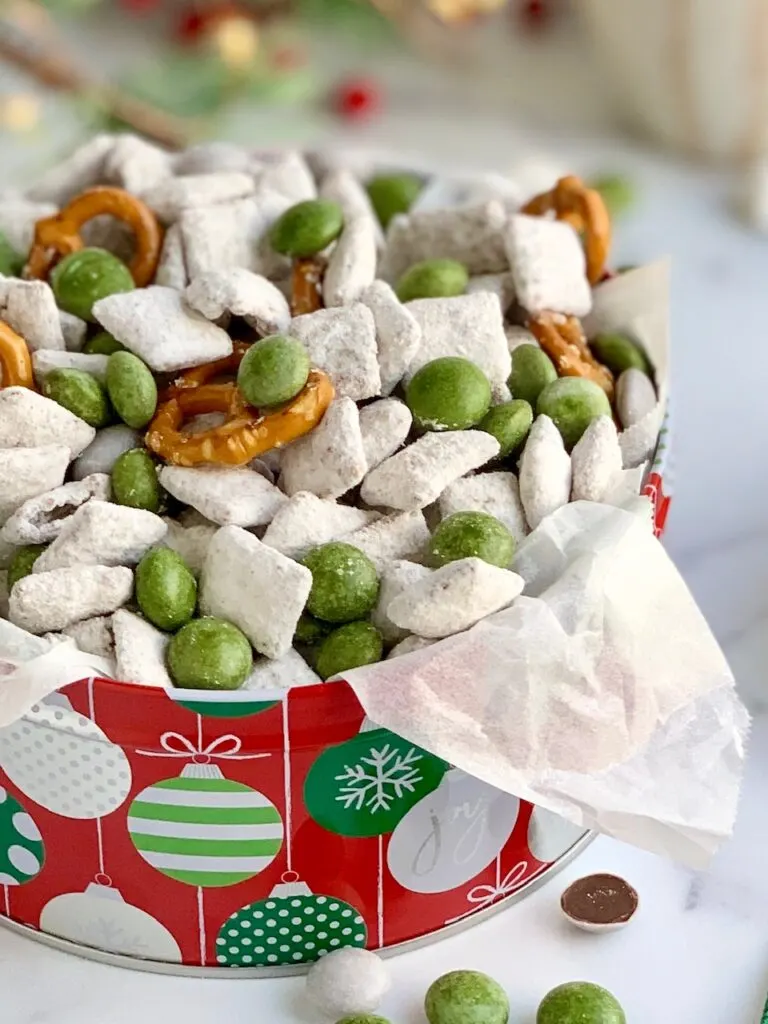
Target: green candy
350 646
619 353
345 584
273 370
134 480
432 279
131 388
102 344
209 654
22 562
466 997
448 394
572 403
363 1018
532 370
626 268
84 277
391 194
307 228
79 392
509 423
310 630
580 1002
166 590
617 191
472 535
11 262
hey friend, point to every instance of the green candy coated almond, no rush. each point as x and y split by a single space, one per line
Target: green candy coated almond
22 562
363 1018
102 344
134 481
619 353
79 392
84 277
391 194
307 228
348 647
273 370
448 394
310 630
131 388
472 535
11 262
209 654
580 1002
617 191
532 370
466 997
509 423
432 279
166 590
345 584
572 403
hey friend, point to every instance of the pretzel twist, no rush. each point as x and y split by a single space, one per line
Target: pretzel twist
564 341
306 285
15 360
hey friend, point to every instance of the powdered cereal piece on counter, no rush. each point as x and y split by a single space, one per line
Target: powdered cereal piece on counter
343 343
172 266
42 518
418 475
307 521
47 359
229 497
50 601
548 266
288 175
472 235
94 636
635 396
190 540
102 453
73 330
18 217
159 327
84 168
31 420
596 461
545 472
395 578
352 264
467 325
398 334
281 673
454 598
30 309
255 587
498 494
409 645
228 234
139 650
331 459
402 535
172 196
500 285
27 472
519 336
209 157
102 533
136 165
384 425
242 293
342 187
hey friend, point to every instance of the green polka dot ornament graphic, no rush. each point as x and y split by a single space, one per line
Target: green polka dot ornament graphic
205 830
292 926
22 853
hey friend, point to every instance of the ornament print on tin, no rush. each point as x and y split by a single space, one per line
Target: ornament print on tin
22 853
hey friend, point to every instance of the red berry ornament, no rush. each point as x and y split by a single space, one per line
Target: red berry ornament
357 99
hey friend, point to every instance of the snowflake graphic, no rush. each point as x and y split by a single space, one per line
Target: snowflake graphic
380 779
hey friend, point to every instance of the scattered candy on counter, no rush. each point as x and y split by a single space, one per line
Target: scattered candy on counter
599 903
462 996
348 983
580 1002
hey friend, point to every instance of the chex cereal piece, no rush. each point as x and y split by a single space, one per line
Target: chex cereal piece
548 266
172 266
342 187
635 396
519 336
158 326
46 602
384 425
69 177
255 587
47 359
190 540
352 264
73 330
228 234
455 597
18 217
101 533
281 673
242 293
27 472
331 459
307 521
419 474
398 334
42 518
30 309
545 472
498 494
402 535
29 419
343 343
289 176
409 645
139 650
500 285
135 164
94 636
229 497
596 461
102 453
395 578
468 325
172 196
208 157
473 235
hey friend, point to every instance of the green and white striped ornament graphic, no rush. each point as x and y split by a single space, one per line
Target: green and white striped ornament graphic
205 830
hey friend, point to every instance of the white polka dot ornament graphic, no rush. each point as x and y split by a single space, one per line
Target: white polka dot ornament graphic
21 846
65 763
